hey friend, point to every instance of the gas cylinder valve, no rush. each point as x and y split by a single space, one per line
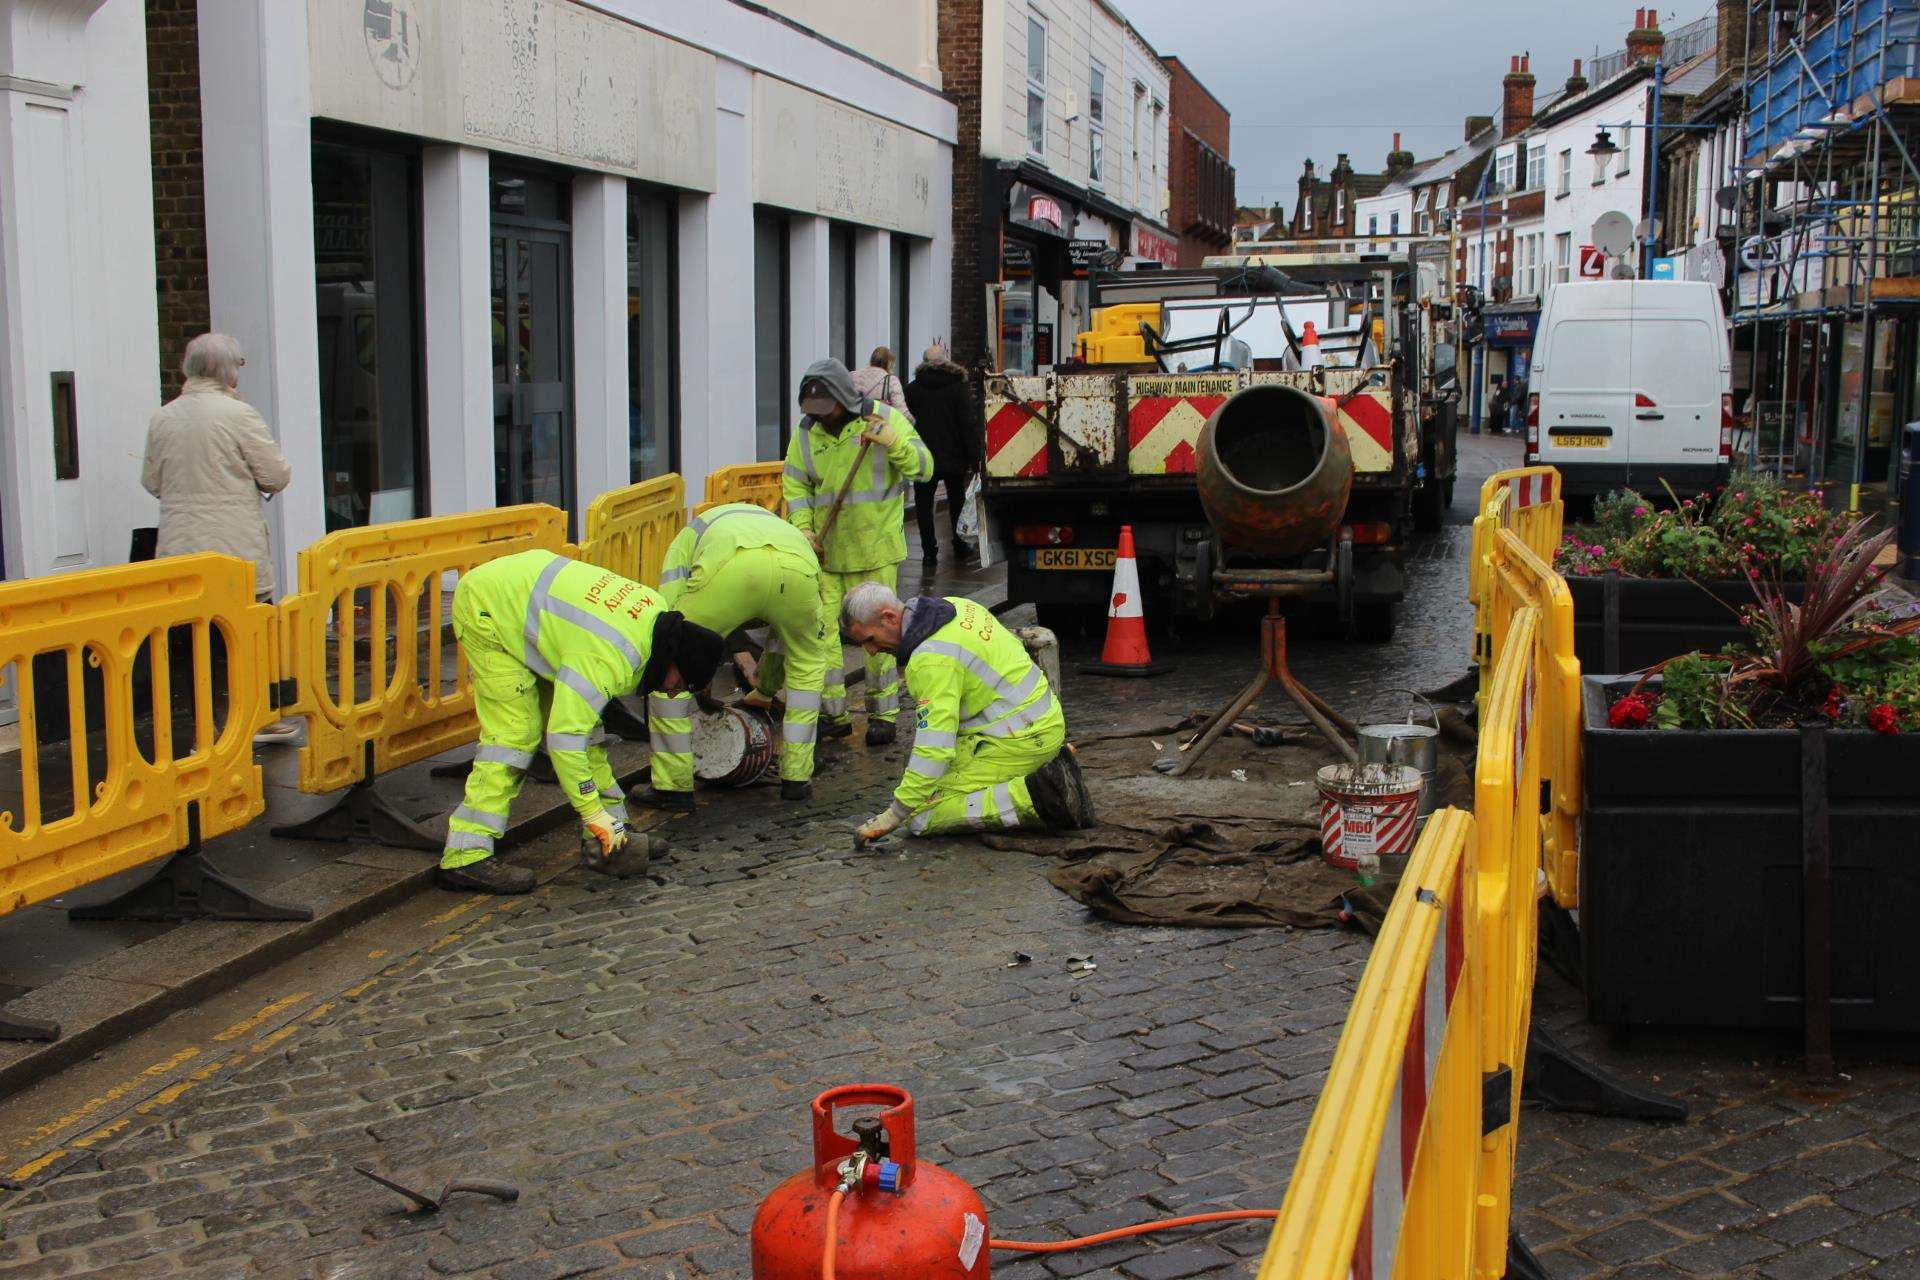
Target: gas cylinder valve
885 1176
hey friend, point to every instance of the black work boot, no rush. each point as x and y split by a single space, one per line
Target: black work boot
489 875
668 801
1079 799
881 733
836 728
796 789
1060 794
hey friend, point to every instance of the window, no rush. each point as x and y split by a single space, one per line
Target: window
1523 267
1373 224
1096 122
1503 173
653 435
1036 86
899 275
366 236
1563 257
1424 223
1626 156
1566 171
1536 168
1393 223
1096 143
840 295
771 291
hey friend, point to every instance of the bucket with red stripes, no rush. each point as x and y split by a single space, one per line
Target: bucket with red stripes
1368 810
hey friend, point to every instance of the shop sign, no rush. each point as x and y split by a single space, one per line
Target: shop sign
1016 260
1030 207
1664 269
1512 328
1151 244
1090 255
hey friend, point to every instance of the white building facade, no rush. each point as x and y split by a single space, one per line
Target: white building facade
481 252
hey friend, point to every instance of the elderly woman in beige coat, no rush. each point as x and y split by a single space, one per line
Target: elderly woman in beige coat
209 459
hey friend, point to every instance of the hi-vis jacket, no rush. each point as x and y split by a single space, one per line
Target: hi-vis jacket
972 678
712 538
870 530
587 630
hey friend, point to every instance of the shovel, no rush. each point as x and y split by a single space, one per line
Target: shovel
423 1203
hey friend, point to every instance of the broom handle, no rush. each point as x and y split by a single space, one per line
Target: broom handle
840 498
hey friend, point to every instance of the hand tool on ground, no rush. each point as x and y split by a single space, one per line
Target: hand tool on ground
423 1203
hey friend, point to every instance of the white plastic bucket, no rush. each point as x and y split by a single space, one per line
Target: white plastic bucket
1368 810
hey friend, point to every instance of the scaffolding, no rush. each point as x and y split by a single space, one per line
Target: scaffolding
1827 277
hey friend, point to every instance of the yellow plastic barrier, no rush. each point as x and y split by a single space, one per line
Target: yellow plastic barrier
1527 500
628 530
165 769
1399 1176
755 482
388 588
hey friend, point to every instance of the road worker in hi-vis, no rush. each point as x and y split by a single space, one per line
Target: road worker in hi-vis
548 642
988 733
733 565
846 476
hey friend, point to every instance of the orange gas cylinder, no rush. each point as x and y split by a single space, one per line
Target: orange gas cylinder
901 1218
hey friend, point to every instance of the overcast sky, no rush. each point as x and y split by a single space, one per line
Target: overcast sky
1318 77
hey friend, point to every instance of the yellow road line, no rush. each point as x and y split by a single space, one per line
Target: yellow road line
104 1131
245 1025
268 1041
32 1167
452 913
112 1095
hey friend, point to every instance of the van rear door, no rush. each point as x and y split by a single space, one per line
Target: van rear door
1677 381
1586 401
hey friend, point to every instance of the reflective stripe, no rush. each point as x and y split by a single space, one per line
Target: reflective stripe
1018 720
469 840
879 461
512 757
799 732
536 609
773 646
899 810
812 473
888 701
680 743
567 742
616 801
670 706
794 473
927 766
1003 804
926 458
803 700
972 662
801 504
674 575
1006 702
976 807
598 627
493 822
931 738
920 821
700 524
589 692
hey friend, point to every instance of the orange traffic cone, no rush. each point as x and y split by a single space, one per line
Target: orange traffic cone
1126 652
1310 348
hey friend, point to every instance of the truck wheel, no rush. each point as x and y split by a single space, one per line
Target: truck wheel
1373 621
1430 503
1070 621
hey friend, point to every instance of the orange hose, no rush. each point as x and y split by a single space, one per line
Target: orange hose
1121 1233
827 1259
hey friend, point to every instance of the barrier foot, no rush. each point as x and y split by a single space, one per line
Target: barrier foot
14 1026
1560 942
189 888
1561 1080
1521 1264
363 816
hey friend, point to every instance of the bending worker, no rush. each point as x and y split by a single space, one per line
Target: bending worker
731 566
988 732
549 641
845 479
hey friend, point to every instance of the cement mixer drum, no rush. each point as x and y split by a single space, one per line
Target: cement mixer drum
1274 471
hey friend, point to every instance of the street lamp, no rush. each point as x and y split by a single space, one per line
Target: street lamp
1603 147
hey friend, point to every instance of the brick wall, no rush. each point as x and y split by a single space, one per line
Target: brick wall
179 192
1195 117
960 46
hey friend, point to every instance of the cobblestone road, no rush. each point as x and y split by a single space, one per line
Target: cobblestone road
639 1057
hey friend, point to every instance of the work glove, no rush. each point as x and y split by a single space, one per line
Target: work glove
819 546
882 433
878 825
608 831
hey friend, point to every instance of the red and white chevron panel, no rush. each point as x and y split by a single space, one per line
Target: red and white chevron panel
1523 730
1016 439
1532 490
1379 1239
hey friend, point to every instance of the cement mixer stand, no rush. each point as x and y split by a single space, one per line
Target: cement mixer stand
1273 658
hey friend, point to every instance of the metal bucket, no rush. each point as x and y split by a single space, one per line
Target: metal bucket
1411 744
733 746
1367 810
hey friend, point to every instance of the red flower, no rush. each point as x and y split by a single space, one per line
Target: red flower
1832 709
1631 712
1884 719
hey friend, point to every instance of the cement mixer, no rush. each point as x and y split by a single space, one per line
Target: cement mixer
1273 474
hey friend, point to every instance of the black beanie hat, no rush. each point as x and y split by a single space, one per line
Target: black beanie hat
687 645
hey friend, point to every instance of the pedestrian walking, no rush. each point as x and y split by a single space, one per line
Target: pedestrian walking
845 480
549 642
947 418
1497 407
988 731
732 566
1517 404
877 381
210 461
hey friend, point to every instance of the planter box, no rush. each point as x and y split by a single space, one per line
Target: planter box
1690 875
1660 618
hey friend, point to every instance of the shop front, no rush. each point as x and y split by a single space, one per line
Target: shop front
1035 243
1507 350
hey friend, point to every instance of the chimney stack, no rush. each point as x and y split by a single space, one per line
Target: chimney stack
1516 111
1645 41
1577 82
1398 160
1477 125
1733 36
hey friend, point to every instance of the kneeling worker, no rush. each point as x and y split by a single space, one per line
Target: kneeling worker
988 731
549 641
731 566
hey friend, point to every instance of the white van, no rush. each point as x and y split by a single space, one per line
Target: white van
1631 386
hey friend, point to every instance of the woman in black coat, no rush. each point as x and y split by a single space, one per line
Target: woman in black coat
947 417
